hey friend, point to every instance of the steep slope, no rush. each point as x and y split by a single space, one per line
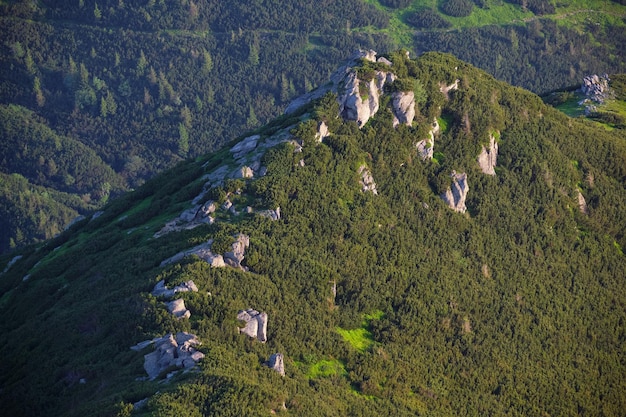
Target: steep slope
322 246
145 84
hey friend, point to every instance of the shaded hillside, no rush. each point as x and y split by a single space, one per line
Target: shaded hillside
380 297
147 84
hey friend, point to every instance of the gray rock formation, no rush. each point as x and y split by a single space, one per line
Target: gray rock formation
203 251
271 214
456 194
177 309
234 257
403 107
170 351
160 290
445 89
256 324
488 157
11 263
244 147
367 181
582 204
345 83
243 172
426 147
354 106
596 88
322 131
277 363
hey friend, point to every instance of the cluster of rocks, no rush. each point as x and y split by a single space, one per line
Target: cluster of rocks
359 100
596 90
445 89
170 351
176 307
203 251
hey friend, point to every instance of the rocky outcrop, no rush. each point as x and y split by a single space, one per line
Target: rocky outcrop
322 131
488 157
596 88
367 181
177 309
255 324
203 251
582 203
456 194
445 89
160 290
403 107
336 79
270 214
170 351
243 172
234 257
277 363
426 147
11 263
358 99
244 147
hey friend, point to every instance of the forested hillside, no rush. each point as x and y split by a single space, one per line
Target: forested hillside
374 291
144 85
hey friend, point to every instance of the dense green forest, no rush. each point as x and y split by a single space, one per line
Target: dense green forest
382 303
144 85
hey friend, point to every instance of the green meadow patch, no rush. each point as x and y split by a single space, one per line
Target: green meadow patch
361 338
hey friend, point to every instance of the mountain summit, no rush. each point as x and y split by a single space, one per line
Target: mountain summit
411 238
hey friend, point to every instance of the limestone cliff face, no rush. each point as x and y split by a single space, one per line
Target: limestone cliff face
488 157
455 195
359 99
403 106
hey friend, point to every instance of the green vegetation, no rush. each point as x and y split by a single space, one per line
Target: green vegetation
382 304
326 368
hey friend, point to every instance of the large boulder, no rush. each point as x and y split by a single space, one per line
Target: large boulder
234 257
455 195
277 363
177 309
255 324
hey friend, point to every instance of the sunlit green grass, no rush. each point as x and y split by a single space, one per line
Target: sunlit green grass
326 368
361 338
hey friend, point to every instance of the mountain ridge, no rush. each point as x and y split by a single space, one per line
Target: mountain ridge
129 81
379 303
